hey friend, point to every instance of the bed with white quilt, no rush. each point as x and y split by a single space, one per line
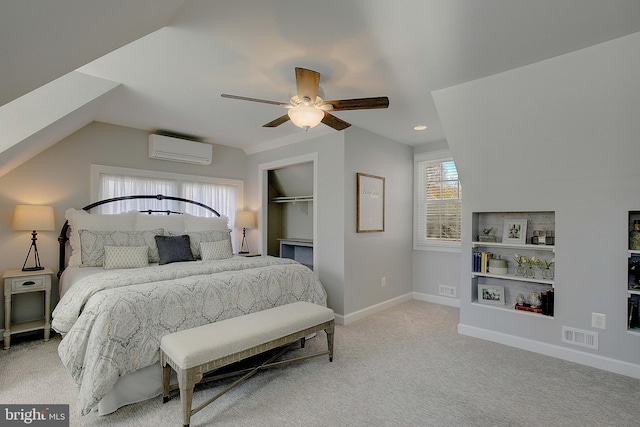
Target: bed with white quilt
134 277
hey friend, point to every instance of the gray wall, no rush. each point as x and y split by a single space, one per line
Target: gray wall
370 256
59 177
351 264
329 244
560 135
434 268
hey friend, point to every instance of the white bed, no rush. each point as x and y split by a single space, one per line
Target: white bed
112 318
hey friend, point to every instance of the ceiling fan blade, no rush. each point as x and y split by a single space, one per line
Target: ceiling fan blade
244 98
307 82
358 104
334 122
277 122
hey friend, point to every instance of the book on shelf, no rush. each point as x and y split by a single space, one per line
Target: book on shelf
634 302
484 261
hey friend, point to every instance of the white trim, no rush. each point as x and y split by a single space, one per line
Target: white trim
361 314
263 191
96 170
432 155
438 245
571 355
437 299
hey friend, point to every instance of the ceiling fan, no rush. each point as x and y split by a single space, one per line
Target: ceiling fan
308 108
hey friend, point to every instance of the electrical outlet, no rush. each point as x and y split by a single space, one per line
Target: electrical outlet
598 320
383 281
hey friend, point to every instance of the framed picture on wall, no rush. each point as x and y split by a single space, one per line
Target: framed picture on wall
490 294
370 200
515 231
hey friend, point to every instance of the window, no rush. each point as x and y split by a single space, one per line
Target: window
438 202
224 195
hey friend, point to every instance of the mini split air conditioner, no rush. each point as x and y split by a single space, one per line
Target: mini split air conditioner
179 150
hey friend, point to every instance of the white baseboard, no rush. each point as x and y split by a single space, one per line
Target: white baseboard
437 299
361 314
593 360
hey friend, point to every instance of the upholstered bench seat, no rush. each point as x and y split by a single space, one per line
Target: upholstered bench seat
193 352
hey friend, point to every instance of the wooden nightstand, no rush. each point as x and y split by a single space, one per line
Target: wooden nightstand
18 282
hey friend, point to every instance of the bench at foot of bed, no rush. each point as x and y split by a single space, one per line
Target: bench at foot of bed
193 352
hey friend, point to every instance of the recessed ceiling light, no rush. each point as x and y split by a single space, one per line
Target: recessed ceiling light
419 127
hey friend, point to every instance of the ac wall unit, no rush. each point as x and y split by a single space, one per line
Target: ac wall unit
179 150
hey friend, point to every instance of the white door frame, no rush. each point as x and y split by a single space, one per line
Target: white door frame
263 186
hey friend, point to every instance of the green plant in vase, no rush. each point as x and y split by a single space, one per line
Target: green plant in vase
530 271
522 260
547 272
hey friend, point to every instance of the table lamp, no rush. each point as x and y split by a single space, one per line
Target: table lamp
244 220
32 217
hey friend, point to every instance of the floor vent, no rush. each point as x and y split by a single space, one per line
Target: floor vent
579 337
448 291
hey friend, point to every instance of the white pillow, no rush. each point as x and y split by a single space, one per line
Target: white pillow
216 250
81 220
201 223
174 223
125 257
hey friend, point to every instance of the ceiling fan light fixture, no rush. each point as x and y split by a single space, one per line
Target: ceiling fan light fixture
305 117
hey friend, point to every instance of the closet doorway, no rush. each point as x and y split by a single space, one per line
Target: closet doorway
288 189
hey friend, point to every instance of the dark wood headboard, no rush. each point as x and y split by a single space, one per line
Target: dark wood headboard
63 237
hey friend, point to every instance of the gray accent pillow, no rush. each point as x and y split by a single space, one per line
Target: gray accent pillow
92 244
174 249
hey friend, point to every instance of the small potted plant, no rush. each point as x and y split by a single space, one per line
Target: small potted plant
531 262
520 268
547 272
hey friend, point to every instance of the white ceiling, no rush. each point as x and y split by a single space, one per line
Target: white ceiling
193 51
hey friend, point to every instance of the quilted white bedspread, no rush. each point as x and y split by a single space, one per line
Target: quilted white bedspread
112 321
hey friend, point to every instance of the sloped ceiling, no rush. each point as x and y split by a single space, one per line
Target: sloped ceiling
172 59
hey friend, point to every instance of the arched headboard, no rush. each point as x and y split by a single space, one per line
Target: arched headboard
63 237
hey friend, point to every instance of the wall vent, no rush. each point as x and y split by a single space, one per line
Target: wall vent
448 291
580 337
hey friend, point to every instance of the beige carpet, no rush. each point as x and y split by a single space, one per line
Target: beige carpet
406 366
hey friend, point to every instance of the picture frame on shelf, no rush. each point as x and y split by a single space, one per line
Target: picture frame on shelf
515 231
491 294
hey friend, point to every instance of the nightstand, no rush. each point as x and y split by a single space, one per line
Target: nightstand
19 282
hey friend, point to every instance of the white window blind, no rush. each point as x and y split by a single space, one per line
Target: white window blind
438 203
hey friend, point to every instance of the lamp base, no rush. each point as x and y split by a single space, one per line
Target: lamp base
243 252
32 268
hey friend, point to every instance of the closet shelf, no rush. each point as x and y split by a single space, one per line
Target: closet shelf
290 199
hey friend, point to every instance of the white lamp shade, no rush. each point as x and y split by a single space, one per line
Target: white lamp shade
32 217
305 117
245 219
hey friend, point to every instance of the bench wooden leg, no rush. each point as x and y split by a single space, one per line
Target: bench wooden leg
166 377
186 383
330 331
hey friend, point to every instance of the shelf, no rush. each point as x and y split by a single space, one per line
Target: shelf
633 291
511 310
633 253
528 247
513 277
291 199
32 325
634 331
